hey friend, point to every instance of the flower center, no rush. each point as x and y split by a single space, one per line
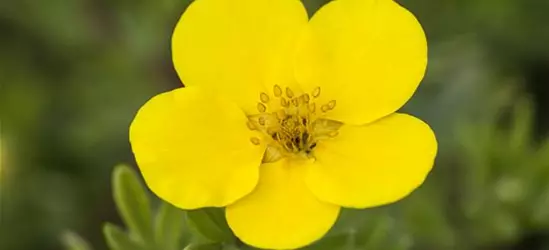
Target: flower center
292 124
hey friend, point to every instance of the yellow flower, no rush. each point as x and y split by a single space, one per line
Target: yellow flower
285 120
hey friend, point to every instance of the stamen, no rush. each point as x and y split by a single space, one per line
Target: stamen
251 125
325 108
331 104
316 92
284 102
264 98
305 98
295 102
261 121
261 107
272 132
277 91
255 140
310 148
289 93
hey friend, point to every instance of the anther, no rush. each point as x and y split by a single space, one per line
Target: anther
316 92
261 121
261 107
284 102
271 131
325 108
250 125
255 140
289 93
264 98
333 134
305 98
331 104
295 102
277 91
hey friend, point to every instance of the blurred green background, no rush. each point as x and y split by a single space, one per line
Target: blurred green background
74 72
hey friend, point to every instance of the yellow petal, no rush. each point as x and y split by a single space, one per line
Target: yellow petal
375 164
368 55
194 149
239 48
281 213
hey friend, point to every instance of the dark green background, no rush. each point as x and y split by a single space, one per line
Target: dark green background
74 72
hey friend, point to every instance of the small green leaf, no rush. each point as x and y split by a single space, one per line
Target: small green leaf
133 203
207 246
168 227
73 241
210 223
118 240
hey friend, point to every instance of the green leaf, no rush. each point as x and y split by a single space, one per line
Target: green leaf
118 240
168 227
73 241
207 246
210 223
133 203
